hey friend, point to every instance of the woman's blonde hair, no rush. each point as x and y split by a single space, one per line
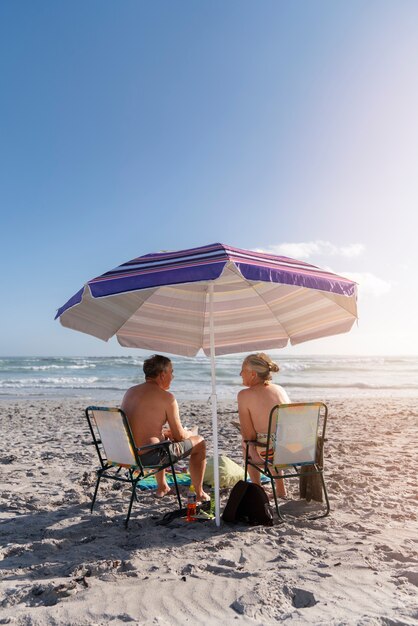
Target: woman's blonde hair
261 364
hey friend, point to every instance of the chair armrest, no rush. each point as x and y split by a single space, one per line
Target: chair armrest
255 459
256 443
153 446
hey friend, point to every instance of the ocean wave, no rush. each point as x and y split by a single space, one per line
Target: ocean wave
64 392
67 382
58 386
359 385
42 368
288 366
49 382
361 375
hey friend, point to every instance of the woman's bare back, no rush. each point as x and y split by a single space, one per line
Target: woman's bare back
255 404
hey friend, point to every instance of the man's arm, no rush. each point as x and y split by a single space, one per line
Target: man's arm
178 433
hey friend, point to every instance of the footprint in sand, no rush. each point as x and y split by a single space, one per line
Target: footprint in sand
41 594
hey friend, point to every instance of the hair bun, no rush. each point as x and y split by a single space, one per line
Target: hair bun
262 364
268 363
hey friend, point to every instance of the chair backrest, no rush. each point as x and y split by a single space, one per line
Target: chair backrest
295 429
115 435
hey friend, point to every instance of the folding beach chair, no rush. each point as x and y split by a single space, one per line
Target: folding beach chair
293 445
119 458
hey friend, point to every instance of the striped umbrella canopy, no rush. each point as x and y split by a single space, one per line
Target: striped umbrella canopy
216 298
260 301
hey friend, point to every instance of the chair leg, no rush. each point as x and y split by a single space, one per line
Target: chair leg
246 463
273 487
133 495
134 482
99 475
176 486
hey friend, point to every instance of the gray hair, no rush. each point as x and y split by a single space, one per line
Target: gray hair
261 364
155 365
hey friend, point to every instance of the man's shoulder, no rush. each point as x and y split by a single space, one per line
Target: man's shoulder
143 392
132 393
168 396
156 393
134 389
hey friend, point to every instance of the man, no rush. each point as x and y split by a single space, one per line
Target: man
148 407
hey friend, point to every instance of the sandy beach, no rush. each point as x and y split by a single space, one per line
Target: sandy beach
62 565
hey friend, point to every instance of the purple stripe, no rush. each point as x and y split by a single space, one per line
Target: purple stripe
299 279
155 263
210 271
76 299
206 263
136 268
173 256
319 279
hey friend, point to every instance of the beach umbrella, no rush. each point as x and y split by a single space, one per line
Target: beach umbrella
216 298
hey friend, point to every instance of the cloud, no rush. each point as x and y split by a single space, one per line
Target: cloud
368 284
304 250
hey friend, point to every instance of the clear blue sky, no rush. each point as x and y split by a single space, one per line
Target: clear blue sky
129 127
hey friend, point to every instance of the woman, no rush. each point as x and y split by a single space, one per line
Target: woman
255 404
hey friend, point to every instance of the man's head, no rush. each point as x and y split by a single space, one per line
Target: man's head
160 369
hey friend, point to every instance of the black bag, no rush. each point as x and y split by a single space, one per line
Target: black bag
248 503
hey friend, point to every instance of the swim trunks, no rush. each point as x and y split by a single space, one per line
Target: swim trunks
178 450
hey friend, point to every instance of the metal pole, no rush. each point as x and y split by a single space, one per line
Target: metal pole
214 406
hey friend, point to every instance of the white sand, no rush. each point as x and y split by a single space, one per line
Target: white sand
61 565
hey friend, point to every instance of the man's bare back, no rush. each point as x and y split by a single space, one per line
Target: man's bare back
149 406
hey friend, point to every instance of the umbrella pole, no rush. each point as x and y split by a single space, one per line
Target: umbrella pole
214 406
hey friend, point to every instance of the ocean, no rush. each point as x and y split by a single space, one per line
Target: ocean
307 378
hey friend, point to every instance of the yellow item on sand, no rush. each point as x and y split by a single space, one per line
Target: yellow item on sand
229 472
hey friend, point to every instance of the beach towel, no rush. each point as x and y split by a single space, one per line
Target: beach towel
310 486
150 482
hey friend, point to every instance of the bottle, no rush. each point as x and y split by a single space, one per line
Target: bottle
191 504
212 502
